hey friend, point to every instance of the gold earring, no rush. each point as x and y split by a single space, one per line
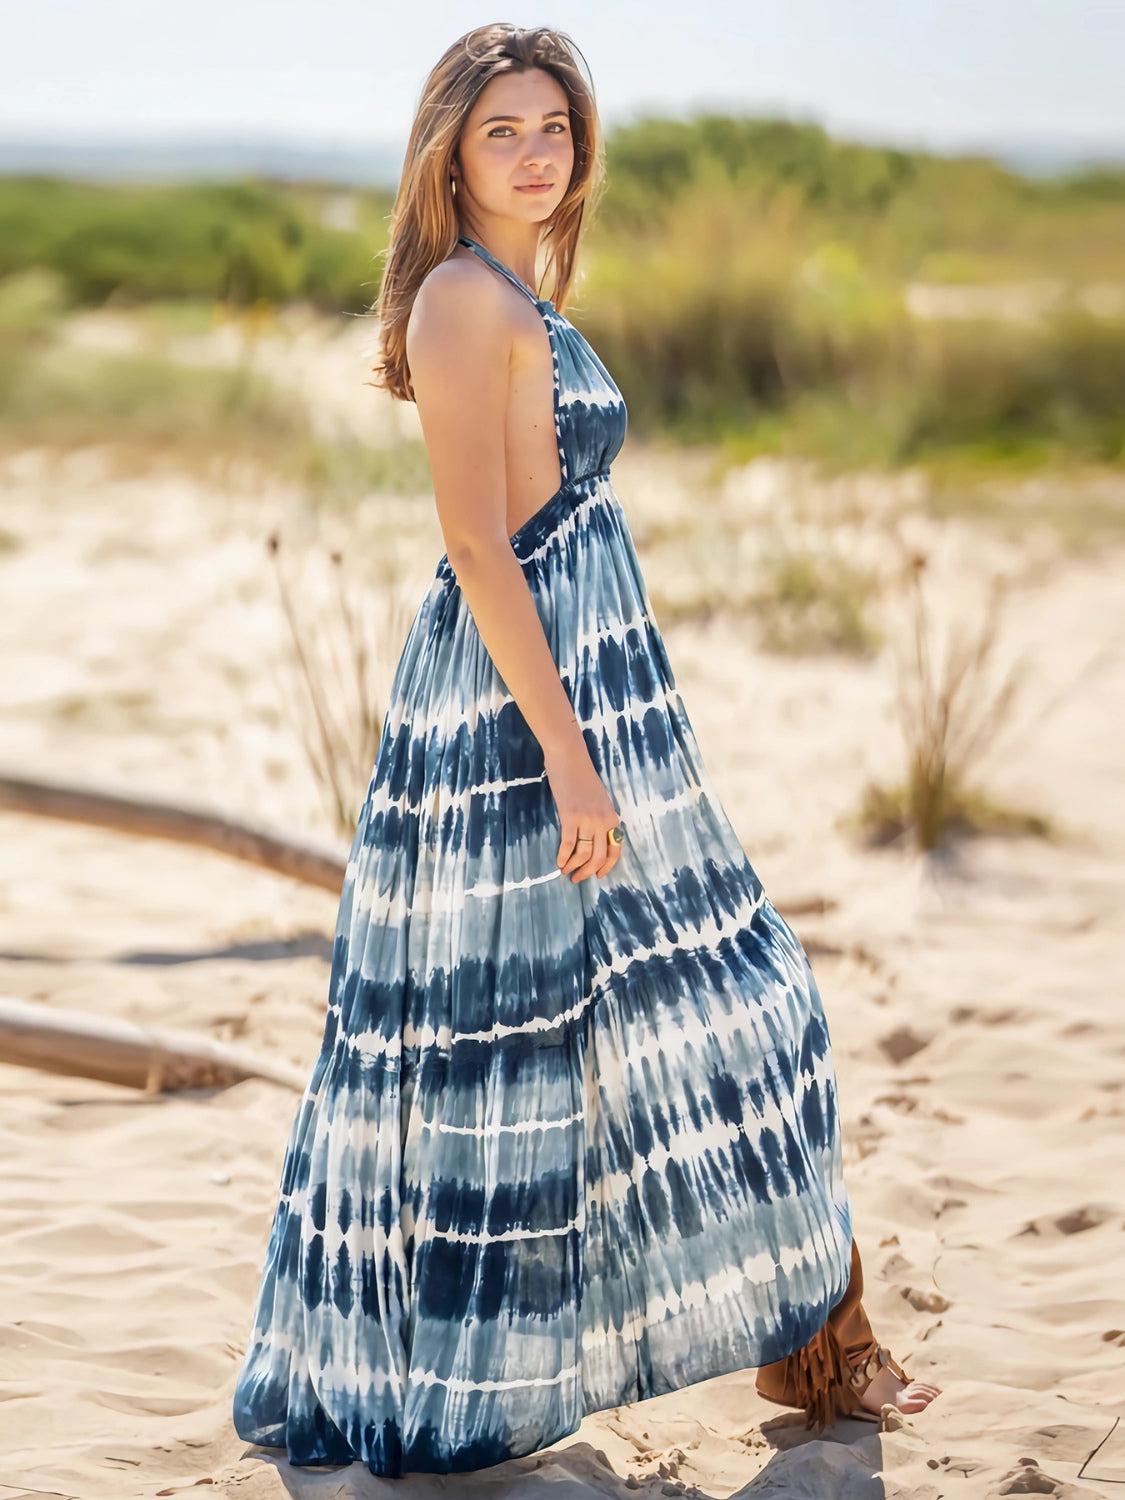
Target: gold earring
453 186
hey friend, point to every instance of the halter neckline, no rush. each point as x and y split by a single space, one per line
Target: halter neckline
487 255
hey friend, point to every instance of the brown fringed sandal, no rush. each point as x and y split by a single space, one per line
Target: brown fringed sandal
828 1375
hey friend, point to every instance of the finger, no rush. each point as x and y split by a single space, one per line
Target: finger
580 853
576 855
594 858
613 854
566 840
614 849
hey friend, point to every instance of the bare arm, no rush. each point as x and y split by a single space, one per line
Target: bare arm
459 346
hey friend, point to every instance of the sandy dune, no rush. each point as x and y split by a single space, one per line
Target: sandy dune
974 1004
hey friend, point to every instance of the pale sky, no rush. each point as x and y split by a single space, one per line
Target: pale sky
927 72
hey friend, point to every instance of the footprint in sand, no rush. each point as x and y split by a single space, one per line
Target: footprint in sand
1027 1478
1077 1221
902 1043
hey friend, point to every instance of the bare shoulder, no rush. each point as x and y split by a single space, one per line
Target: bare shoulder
460 311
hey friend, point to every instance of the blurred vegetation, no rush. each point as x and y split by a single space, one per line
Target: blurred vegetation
751 283
239 242
220 422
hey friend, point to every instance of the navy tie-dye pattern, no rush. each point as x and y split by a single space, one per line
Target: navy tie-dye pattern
565 1145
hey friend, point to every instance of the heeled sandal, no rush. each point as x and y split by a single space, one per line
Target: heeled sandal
828 1375
863 1371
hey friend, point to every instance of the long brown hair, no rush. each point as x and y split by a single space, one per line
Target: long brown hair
424 221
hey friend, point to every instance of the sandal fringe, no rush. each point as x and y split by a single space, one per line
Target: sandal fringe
827 1375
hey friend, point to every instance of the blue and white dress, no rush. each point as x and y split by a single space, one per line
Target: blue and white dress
565 1145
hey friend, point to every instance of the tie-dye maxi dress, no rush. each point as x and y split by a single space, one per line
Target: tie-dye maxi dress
565 1145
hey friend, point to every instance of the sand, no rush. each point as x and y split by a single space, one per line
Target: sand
974 1003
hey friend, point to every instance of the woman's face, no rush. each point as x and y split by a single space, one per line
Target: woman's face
498 158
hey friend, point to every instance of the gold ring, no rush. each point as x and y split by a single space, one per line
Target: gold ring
589 840
616 834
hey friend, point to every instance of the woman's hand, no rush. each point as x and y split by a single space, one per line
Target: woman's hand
587 813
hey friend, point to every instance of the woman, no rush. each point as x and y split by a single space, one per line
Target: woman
572 1138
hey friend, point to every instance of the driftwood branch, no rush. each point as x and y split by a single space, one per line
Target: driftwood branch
152 1058
304 860
308 861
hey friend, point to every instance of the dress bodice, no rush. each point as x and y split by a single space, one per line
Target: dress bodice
589 409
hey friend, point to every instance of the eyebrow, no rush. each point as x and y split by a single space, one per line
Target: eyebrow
519 118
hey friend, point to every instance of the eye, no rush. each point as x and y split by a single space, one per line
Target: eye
554 125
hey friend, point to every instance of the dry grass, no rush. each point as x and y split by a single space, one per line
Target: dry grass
952 714
815 603
340 663
1082 509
